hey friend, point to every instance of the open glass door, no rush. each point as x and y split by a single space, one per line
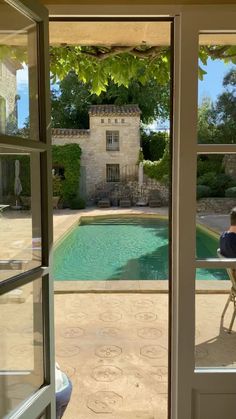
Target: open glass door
204 384
26 294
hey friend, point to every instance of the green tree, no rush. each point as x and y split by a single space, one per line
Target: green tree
217 124
153 145
122 64
97 65
71 101
225 109
207 128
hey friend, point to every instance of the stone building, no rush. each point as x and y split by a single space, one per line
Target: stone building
8 95
110 147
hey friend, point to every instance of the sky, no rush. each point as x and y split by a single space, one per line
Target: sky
22 91
211 87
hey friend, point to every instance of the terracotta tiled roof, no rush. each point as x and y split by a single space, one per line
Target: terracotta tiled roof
114 110
69 132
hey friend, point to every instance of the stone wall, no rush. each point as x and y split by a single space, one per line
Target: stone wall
216 205
94 156
7 90
133 191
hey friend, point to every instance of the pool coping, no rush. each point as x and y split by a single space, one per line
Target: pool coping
145 286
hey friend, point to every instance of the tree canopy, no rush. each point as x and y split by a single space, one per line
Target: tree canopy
217 122
71 102
123 64
98 65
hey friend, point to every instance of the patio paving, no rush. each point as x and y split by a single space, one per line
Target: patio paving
115 348
114 345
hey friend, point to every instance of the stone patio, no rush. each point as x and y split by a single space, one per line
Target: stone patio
114 348
111 336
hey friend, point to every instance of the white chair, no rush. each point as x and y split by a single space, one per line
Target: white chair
232 294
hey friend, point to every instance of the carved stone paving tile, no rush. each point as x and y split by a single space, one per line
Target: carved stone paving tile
76 303
65 351
146 317
3 329
72 332
149 333
143 304
159 373
69 370
20 350
109 331
153 351
106 373
112 302
104 401
108 351
110 316
27 330
76 316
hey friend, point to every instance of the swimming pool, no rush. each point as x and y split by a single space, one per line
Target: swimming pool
124 248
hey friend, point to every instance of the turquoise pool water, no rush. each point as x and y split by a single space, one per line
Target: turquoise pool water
123 248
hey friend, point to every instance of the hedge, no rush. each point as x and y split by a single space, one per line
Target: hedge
217 182
203 191
158 170
230 192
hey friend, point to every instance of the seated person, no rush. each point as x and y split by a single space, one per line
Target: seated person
228 238
63 391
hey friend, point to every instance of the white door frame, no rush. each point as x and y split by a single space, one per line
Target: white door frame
192 387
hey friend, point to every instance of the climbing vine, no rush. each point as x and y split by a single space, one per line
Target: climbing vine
68 157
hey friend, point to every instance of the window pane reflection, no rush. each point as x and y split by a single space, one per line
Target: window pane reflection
216 193
20 219
214 345
217 100
18 74
21 349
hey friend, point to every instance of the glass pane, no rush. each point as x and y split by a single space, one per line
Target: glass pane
18 74
20 218
216 192
215 346
21 349
217 89
124 249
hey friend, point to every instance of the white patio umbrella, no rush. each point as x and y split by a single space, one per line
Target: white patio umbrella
17 184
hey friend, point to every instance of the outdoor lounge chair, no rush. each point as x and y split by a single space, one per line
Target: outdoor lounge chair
154 199
125 202
104 203
232 295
